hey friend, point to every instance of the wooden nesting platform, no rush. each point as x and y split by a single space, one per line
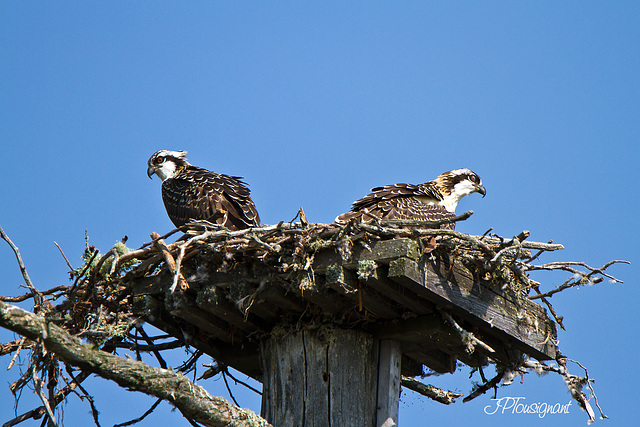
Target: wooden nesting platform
390 289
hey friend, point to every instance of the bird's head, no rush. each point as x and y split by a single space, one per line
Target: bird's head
458 183
166 163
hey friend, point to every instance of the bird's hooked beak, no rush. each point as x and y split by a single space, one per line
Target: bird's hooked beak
481 190
150 171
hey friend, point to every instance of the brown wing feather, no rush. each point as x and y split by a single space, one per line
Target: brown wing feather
198 194
399 201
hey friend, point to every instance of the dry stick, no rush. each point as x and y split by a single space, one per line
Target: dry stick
61 288
64 256
484 387
59 397
37 296
557 318
224 377
566 267
164 236
94 410
142 417
15 356
465 334
38 388
570 380
152 346
12 346
527 244
241 382
593 393
171 263
435 393
408 232
192 400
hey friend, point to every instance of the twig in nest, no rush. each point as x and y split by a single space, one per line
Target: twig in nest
241 382
588 382
61 288
37 385
94 410
141 417
37 296
484 387
224 377
579 277
15 356
72 270
171 263
414 232
465 335
434 393
574 383
155 351
303 218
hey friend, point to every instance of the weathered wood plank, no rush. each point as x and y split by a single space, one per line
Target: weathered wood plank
307 380
184 307
319 294
213 301
353 362
436 360
283 380
345 282
382 251
243 357
377 280
316 394
471 301
389 377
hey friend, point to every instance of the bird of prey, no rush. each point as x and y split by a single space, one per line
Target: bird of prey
192 193
430 201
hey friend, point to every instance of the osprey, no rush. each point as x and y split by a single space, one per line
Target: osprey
192 193
430 201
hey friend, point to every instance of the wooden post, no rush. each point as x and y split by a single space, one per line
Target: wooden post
325 378
389 377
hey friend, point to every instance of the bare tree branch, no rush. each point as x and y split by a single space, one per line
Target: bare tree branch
37 296
193 401
435 393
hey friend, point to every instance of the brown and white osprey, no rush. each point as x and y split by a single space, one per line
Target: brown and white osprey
430 201
192 193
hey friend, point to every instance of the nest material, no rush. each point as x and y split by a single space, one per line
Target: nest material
99 307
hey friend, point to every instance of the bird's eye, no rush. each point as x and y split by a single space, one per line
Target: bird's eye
159 160
473 178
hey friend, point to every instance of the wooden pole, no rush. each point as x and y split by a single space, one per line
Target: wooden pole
330 377
389 377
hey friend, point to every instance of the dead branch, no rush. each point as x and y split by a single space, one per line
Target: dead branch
64 256
37 296
467 337
37 384
574 383
579 278
178 278
427 390
25 297
193 401
479 391
141 417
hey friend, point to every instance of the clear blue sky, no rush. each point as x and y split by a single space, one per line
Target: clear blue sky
314 104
